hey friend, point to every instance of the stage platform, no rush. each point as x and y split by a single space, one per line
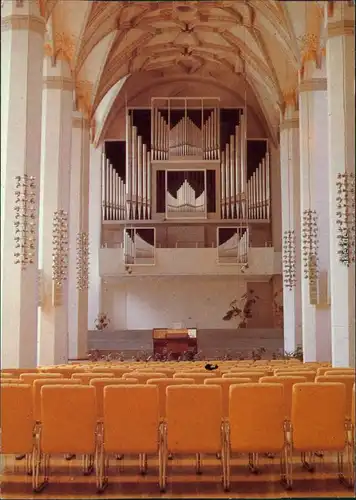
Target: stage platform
212 343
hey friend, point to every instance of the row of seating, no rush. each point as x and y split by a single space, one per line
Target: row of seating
194 422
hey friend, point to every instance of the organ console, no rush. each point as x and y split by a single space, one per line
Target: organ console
185 134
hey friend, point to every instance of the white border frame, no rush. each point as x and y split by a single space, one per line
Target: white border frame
167 217
217 245
135 228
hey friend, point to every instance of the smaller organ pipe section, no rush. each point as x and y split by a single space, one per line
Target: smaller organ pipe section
258 190
128 199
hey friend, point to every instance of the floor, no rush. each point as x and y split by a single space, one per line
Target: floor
125 482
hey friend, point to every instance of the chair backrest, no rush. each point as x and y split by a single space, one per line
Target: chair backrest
36 391
350 372
194 416
162 384
322 370
168 372
309 375
353 406
287 381
68 414
11 381
225 384
117 371
347 380
318 416
131 419
66 372
85 378
100 383
29 378
256 418
17 422
252 375
198 377
142 377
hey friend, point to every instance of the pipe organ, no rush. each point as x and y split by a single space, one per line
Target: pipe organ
184 130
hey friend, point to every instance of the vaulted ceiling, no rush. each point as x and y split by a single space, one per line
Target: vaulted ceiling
250 48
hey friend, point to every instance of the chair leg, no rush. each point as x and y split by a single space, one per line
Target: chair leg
227 457
308 465
162 453
88 464
198 463
143 463
253 463
39 460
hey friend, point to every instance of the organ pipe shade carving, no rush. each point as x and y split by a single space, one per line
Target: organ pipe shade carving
82 261
233 245
139 246
60 247
25 220
289 259
345 217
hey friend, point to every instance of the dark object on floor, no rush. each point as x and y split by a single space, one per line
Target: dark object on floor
210 367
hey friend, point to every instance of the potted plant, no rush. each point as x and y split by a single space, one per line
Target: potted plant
277 305
102 321
241 310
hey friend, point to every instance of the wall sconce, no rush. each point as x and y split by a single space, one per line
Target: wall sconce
25 220
60 247
289 259
345 217
310 244
82 264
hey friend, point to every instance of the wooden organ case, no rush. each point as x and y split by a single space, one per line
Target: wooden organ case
174 342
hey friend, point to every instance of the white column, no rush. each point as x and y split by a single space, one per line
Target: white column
290 193
79 223
315 196
22 35
95 222
340 55
55 185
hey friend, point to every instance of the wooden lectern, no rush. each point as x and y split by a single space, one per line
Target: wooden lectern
174 341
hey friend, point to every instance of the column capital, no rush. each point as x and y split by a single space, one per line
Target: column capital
27 22
312 85
340 28
79 120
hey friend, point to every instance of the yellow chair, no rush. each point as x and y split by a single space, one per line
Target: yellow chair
11 381
309 375
288 382
68 426
36 391
344 371
348 381
257 425
194 423
252 375
168 372
117 371
66 372
142 377
162 384
85 378
29 378
17 422
225 384
130 426
100 384
318 422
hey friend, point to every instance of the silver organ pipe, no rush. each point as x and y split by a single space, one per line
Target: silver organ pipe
139 176
237 173
149 184
232 176
258 191
128 165
268 193
103 182
134 172
243 164
228 177
223 186
113 193
107 189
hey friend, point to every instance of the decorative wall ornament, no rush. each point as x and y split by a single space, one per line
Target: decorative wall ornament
82 265
345 217
83 96
289 259
310 245
64 46
60 247
25 220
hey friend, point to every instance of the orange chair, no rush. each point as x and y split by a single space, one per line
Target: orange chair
288 383
257 425
252 375
29 378
194 423
85 378
322 370
162 384
130 426
17 422
225 384
318 422
11 381
36 391
100 384
198 377
348 380
308 374
68 426
142 377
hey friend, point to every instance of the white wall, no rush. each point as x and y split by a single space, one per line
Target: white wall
146 303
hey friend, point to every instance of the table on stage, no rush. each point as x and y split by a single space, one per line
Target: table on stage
174 341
